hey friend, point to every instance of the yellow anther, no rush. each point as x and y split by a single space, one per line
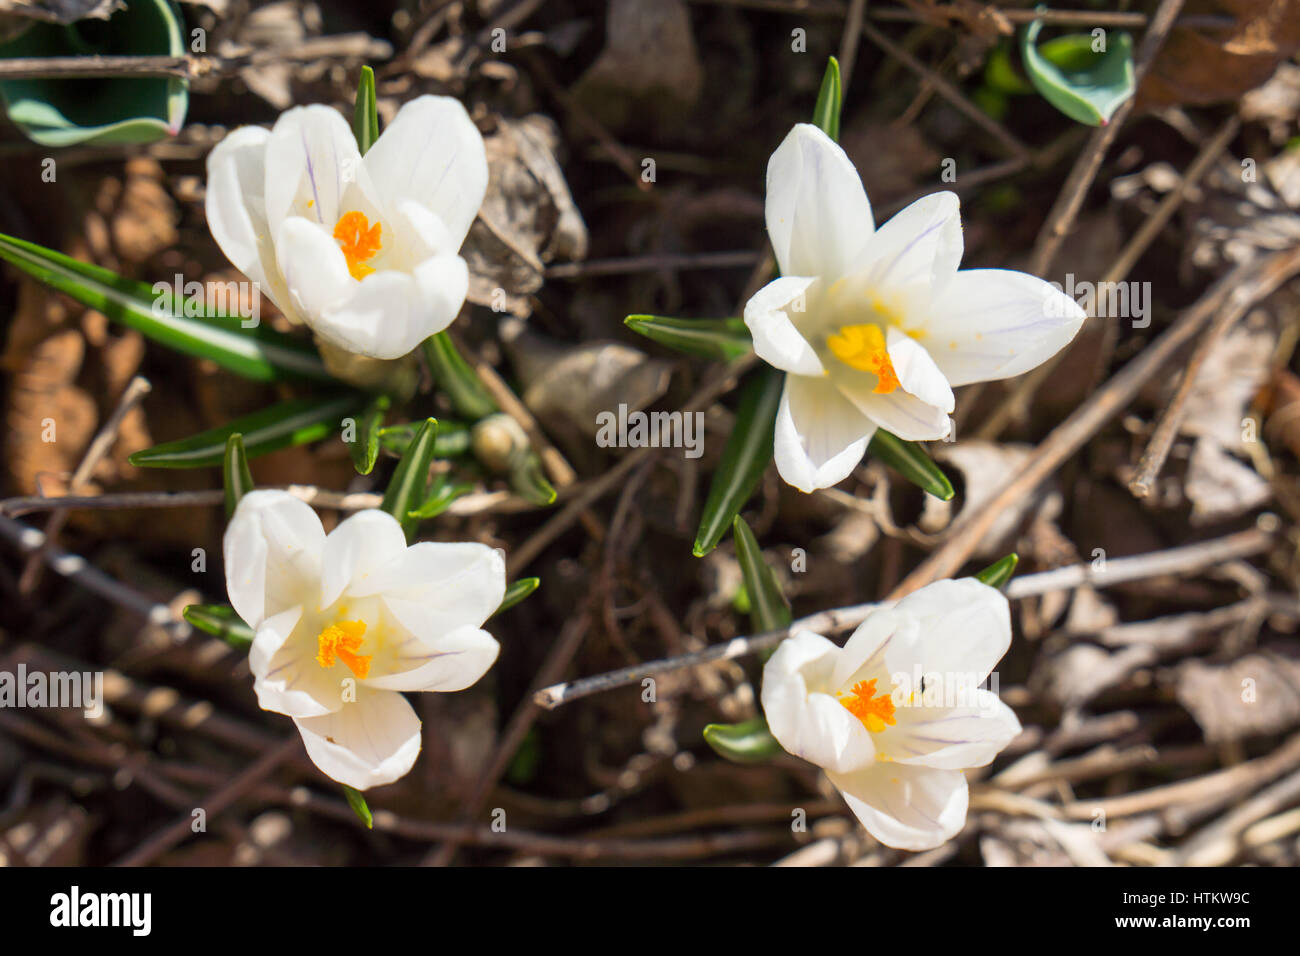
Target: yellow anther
359 240
863 347
875 712
340 642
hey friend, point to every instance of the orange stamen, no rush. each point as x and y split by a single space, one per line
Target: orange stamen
875 712
341 641
863 347
359 240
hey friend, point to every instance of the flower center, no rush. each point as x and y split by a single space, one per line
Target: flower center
874 711
359 240
340 642
863 347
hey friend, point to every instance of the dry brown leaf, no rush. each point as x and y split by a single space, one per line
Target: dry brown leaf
1258 694
1195 67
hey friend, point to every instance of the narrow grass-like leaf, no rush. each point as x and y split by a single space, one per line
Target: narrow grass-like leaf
408 487
235 476
768 608
453 438
529 481
295 422
744 458
517 591
910 460
455 377
826 114
258 353
441 494
1085 85
747 742
365 116
357 802
708 338
365 442
220 620
997 574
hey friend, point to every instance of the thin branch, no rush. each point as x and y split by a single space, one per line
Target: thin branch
1162 439
1185 560
1261 275
132 395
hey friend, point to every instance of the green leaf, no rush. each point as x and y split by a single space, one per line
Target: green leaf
744 458
1086 86
453 438
56 111
440 495
365 444
453 374
235 476
826 114
295 422
709 338
365 116
258 353
220 620
1000 72
517 592
910 460
747 742
997 574
768 608
359 806
410 481
529 481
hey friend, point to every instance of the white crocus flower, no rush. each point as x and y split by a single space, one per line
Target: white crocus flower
875 327
362 250
896 749
348 620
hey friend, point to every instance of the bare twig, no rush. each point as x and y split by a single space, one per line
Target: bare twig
132 395
965 535
949 92
213 804
1070 201
1117 571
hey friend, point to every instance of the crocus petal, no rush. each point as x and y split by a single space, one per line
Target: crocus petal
964 628
388 314
920 246
286 675
820 437
312 163
954 737
437 587
863 656
910 808
804 719
818 216
432 153
360 546
453 661
236 209
917 372
368 742
314 267
272 551
905 415
990 324
777 339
